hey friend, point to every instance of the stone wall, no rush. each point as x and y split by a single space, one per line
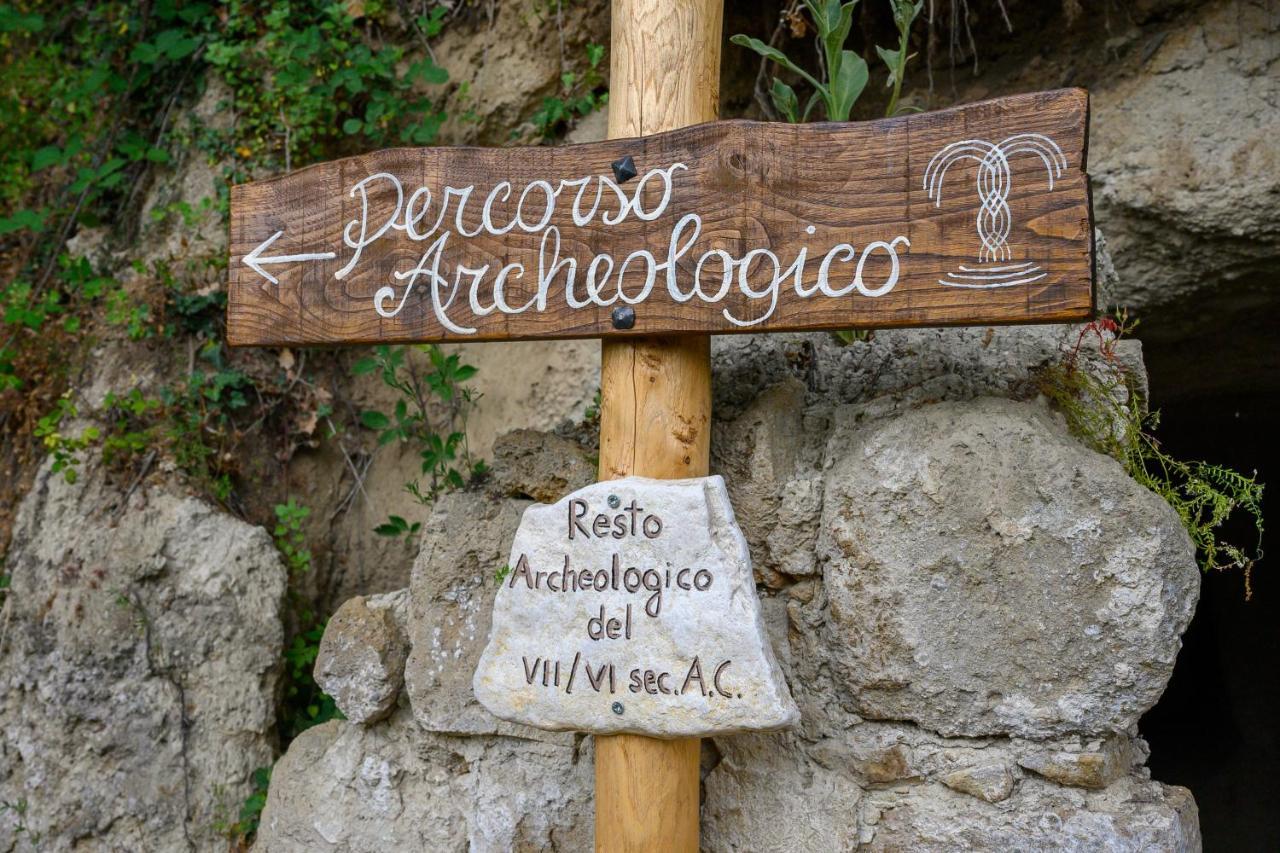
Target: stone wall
971 608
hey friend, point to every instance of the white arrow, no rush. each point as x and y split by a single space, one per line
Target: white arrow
255 259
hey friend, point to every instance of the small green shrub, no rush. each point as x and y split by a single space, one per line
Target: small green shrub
581 94
65 449
240 829
429 415
305 704
843 74
291 540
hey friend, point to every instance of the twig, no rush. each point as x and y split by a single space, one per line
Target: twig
359 476
761 93
137 480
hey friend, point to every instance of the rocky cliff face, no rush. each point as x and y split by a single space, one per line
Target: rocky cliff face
142 651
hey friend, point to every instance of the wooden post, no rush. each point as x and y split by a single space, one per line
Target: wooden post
655 416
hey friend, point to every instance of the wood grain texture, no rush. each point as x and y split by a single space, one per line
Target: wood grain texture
655 418
655 402
646 794
753 186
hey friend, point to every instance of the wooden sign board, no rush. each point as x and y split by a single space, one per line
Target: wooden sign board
974 215
629 606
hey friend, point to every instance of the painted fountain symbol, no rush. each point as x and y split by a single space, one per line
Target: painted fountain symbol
995 220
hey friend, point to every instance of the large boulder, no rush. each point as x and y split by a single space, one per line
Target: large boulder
141 653
987 574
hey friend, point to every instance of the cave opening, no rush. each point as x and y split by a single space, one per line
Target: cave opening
1214 729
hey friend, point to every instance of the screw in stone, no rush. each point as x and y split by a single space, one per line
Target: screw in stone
624 169
624 317
617 708
614 500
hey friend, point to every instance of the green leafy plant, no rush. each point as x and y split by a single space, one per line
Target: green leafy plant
501 574
843 74
19 810
581 93
305 704
240 829
396 526
430 414
64 448
303 75
290 537
1102 405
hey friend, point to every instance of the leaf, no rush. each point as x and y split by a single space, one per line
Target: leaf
785 101
775 55
13 21
394 526
352 125
848 85
839 22
20 220
428 72
45 157
890 58
364 365
374 420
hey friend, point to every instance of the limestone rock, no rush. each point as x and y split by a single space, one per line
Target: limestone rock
1199 178
1134 816
989 575
676 599
361 658
141 651
451 603
759 455
788 792
344 788
764 795
540 465
1096 766
894 371
990 782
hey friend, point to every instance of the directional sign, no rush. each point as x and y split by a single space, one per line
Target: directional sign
975 215
255 260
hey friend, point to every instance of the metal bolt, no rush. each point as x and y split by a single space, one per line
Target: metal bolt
624 317
624 169
617 708
614 500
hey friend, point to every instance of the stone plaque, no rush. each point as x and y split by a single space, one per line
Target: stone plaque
629 606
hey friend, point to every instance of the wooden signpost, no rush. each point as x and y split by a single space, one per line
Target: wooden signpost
977 214
676 228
